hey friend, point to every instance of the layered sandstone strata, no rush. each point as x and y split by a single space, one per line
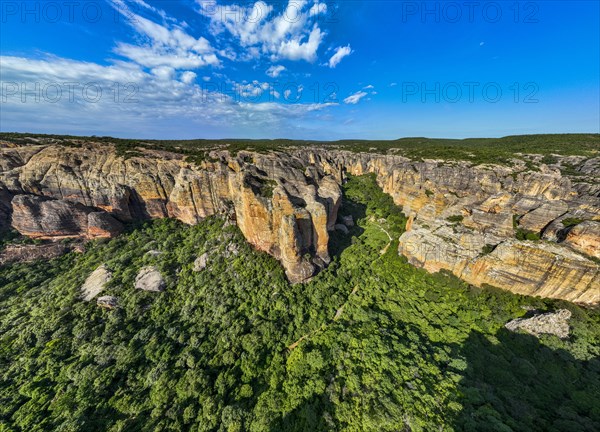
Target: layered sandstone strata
286 203
464 219
55 192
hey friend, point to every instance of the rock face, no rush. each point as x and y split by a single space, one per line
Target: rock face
286 203
60 192
150 279
585 237
493 204
555 323
43 218
29 253
95 283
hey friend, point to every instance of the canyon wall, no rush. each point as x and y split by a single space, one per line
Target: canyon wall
466 219
56 192
462 218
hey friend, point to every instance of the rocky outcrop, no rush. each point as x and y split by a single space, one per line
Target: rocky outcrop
45 218
61 192
201 262
32 252
585 237
150 279
286 203
108 302
95 283
555 323
530 268
465 219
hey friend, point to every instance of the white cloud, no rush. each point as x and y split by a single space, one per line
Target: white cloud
317 9
163 73
170 47
295 49
292 34
157 84
355 98
188 77
340 53
394 84
275 71
145 101
370 86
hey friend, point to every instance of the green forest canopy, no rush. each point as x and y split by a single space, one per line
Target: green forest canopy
382 346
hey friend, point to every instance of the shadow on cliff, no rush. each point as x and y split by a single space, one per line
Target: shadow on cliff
338 241
515 383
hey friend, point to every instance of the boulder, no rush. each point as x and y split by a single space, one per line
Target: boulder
201 262
555 323
95 283
150 279
108 302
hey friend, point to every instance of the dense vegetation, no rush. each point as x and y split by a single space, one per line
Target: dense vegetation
370 344
476 150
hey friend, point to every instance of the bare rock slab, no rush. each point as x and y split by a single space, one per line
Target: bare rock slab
555 323
95 283
150 279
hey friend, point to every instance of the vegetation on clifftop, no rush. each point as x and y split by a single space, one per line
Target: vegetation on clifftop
476 150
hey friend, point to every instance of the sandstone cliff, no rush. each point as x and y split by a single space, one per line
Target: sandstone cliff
55 192
465 219
462 218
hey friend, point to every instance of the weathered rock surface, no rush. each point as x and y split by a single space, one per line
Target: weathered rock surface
95 283
201 262
108 302
286 204
555 323
585 237
44 218
83 192
33 252
150 279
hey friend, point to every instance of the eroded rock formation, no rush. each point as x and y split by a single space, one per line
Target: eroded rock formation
465 218
56 192
462 218
95 283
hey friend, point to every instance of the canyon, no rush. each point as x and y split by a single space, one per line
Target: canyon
529 228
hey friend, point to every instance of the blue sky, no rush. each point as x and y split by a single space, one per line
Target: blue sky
299 68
